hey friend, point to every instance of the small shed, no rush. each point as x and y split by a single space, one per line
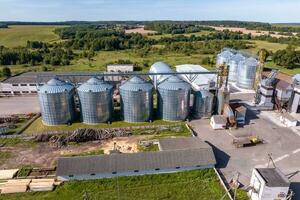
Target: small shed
268 184
288 120
218 122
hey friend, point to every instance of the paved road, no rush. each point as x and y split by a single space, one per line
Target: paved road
281 142
19 105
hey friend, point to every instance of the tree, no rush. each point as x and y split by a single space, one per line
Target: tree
6 72
263 55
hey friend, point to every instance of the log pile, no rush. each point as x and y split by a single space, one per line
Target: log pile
82 135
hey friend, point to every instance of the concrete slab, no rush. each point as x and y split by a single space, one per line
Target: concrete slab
281 142
19 105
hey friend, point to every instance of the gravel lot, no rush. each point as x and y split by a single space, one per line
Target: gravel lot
19 105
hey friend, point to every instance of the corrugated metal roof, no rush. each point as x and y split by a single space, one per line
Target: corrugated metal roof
273 177
199 81
136 84
237 58
55 86
182 143
126 162
94 85
250 61
174 83
160 67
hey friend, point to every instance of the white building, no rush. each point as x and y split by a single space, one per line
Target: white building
218 122
198 81
268 184
118 69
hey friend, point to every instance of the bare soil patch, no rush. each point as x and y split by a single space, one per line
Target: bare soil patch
45 154
139 30
246 31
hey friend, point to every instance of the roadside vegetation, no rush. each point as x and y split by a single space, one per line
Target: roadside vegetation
195 184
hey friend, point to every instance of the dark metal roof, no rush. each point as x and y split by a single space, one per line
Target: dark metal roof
182 143
126 162
273 177
32 77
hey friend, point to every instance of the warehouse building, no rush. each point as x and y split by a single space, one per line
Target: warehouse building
172 158
26 83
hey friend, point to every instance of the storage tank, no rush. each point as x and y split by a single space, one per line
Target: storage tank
96 101
224 57
56 99
136 100
173 99
159 67
233 66
246 73
202 104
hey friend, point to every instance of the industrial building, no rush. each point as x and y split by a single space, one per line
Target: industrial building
192 153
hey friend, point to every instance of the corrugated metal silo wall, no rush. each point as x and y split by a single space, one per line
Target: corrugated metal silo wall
173 105
246 76
57 108
136 106
233 69
96 107
203 103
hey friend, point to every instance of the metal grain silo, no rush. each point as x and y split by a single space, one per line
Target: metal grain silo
246 73
202 104
224 57
159 67
96 101
136 100
57 102
233 66
173 99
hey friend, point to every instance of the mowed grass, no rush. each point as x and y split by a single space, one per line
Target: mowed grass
197 184
15 36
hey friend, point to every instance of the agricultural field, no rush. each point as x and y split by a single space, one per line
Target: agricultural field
15 36
197 184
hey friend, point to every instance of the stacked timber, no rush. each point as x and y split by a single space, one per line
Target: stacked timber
40 185
8 173
15 186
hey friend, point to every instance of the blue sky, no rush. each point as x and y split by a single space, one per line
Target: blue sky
93 10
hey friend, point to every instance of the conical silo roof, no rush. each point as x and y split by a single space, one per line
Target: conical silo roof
174 83
94 85
136 84
56 85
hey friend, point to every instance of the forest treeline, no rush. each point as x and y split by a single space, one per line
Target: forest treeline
89 39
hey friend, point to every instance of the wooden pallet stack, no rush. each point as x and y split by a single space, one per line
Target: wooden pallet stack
39 185
15 186
8 173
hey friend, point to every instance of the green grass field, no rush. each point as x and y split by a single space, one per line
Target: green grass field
18 35
197 184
